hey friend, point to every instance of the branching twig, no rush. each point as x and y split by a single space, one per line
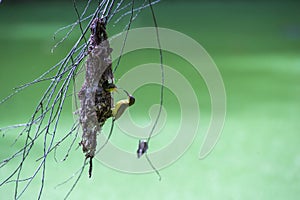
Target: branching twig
43 123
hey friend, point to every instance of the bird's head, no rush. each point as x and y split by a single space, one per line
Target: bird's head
109 87
131 100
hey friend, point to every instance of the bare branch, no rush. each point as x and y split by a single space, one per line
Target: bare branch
95 101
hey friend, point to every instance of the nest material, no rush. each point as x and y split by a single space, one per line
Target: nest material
95 101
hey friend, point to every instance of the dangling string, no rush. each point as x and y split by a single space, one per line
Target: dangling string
161 91
162 76
153 167
109 135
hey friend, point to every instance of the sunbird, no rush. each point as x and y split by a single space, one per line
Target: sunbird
109 87
122 105
119 108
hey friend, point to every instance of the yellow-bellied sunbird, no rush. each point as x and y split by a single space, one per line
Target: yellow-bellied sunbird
109 87
122 105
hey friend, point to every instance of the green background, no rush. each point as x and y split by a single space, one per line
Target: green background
256 46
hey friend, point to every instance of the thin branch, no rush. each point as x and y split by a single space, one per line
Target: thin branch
44 121
78 178
162 74
134 10
153 167
125 39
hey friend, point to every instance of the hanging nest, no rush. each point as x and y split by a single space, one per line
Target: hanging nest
95 101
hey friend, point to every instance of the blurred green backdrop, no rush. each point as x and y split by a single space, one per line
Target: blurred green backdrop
256 46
